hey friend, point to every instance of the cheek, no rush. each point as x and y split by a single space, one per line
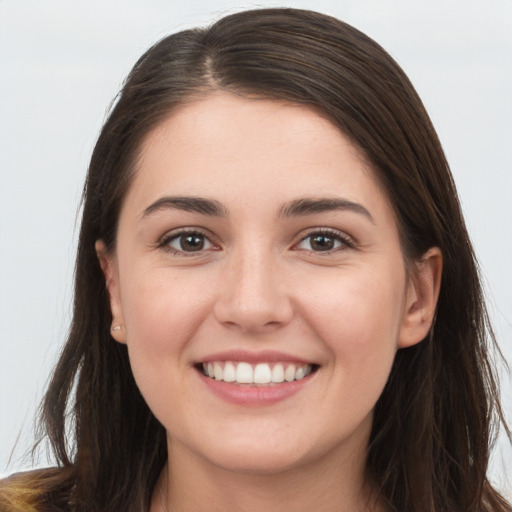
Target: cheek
359 320
162 312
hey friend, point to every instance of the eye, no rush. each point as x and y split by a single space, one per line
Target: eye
187 242
324 241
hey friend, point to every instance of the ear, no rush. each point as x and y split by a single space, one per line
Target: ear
423 287
108 264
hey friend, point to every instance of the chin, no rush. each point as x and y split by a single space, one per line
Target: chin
257 462
261 456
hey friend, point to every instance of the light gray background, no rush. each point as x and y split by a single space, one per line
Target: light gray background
62 62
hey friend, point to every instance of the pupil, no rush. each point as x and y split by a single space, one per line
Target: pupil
192 243
322 243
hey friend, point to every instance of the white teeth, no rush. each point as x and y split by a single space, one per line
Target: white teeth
244 373
289 374
217 371
261 373
278 373
229 372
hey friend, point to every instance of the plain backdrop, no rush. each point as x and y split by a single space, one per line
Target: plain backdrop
61 64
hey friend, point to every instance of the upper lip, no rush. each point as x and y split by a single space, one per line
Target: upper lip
262 356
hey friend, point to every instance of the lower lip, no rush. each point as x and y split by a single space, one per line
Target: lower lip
245 394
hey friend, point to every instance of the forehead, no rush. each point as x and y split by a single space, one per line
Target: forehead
231 146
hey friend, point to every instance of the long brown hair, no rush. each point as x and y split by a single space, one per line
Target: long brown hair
434 422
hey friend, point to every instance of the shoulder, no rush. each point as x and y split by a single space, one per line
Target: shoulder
42 490
18 492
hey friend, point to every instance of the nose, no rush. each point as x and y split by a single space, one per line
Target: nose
253 296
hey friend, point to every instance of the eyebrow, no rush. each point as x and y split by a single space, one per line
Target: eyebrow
296 208
311 205
200 205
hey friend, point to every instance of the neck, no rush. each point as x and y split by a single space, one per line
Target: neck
333 483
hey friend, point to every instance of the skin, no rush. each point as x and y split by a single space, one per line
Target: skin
260 283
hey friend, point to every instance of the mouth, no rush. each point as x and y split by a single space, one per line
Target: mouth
260 374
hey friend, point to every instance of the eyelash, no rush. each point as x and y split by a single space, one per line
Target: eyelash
164 244
343 241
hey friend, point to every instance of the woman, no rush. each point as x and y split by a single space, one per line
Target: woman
276 301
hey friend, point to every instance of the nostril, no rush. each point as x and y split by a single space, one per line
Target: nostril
252 305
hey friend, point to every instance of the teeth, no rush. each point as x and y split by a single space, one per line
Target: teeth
300 373
217 371
278 373
289 374
229 372
244 373
262 373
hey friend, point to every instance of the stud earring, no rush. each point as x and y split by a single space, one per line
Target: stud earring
116 328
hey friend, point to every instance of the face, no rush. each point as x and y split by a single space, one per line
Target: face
260 285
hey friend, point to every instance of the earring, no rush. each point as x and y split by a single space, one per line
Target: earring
116 328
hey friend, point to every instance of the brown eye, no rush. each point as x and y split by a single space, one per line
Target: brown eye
188 242
191 242
323 242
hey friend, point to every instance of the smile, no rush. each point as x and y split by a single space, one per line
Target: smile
260 374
